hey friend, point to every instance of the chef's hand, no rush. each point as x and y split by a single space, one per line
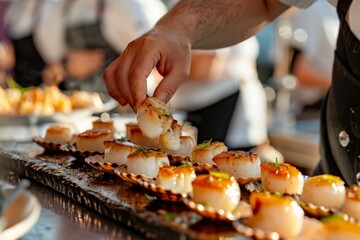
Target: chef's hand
164 48
83 63
53 74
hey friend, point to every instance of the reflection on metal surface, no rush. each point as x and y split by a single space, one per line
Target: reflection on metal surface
62 218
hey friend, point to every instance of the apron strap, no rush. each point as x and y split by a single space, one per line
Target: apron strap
343 6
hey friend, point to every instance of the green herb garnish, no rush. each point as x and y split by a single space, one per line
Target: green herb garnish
221 175
186 164
336 216
205 204
203 145
11 83
170 216
164 113
122 139
279 194
143 150
276 163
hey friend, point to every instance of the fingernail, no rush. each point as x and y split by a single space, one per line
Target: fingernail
162 97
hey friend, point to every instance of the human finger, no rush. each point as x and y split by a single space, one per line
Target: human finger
141 69
170 83
110 77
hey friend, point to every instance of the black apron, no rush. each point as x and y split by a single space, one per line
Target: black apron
29 64
340 118
89 37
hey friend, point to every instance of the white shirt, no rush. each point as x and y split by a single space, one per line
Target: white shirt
123 21
321 24
354 10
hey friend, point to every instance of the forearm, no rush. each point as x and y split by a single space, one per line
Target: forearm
206 26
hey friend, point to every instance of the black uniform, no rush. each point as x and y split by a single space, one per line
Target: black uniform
340 119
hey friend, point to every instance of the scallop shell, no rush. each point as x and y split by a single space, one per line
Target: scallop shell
161 193
312 229
122 172
255 233
243 181
176 160
254 186
72 150
48 146
316 211
242 210
204 168
97 162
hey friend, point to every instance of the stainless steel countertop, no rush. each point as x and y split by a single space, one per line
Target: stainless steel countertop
62 218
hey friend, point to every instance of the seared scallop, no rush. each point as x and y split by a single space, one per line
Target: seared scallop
98 124
177 179
138 138
153 117
93 140
206 151
282 178
217 190
239 164
351 205
118 151
170 139
337 228
128 127
324 190
186 145
58 134
276 213
146 162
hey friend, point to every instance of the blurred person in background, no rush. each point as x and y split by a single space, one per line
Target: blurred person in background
72 41
221 81
312 65
6 51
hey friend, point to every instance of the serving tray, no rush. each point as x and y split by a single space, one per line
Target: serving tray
110 196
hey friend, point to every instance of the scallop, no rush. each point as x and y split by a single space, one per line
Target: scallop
177 179
93 140
137 137
324 190
239 164
276 213
98 124
186 145
170 139
216 190
351 205
282 178
336 228
206 151
117 152
153 117
58 134
146 162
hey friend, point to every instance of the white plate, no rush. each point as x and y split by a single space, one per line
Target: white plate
21 215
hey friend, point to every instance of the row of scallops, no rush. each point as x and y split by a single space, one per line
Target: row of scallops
148 143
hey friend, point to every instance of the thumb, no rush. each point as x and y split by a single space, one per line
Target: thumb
169 85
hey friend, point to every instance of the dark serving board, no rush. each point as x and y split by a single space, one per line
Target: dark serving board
110 196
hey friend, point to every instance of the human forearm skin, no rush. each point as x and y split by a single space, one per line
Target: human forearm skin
212 24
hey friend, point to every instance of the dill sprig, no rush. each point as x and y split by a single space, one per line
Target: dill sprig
203 145
122 139
221 175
